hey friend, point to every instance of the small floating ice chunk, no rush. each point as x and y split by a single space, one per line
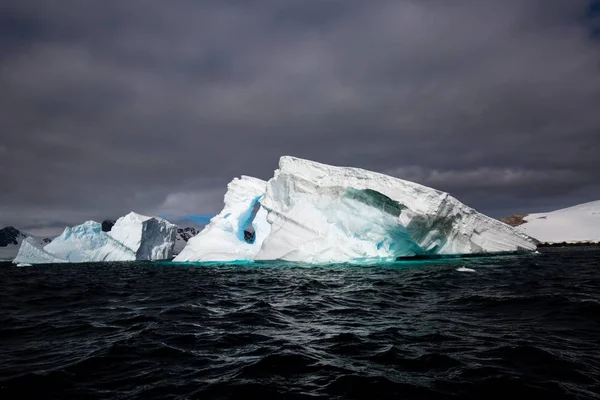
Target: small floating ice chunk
465 269
24 265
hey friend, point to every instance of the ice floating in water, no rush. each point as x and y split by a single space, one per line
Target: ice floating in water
133 237
237 233
31 252
88 243
308 213
315 213
150 238
465 269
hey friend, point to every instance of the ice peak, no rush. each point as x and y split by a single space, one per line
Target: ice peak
133 217
81 229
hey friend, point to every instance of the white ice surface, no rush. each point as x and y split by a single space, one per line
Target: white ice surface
88 243
133 237
223 238
315 213
150 238
30 252
325 214
580 223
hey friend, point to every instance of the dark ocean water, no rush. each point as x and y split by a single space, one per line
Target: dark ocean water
518 325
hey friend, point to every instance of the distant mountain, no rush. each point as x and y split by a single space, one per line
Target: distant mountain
577 224
183 235
188 222
10 241
10 235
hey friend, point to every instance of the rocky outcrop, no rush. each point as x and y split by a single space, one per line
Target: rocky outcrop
10 235
107 225
186 233
183 235
515 220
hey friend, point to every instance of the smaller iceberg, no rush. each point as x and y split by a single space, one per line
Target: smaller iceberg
31 252
133 237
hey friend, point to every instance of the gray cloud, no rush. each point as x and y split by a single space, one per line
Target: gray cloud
111 106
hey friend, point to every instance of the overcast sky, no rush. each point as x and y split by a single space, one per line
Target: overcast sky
154 106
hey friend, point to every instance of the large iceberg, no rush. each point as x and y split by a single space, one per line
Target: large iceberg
320 213
316 213
133 237
238 231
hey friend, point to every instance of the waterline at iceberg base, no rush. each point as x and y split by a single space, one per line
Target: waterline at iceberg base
314 213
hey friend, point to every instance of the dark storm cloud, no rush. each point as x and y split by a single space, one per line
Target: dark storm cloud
153 106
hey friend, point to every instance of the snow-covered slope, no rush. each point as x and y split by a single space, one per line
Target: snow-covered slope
88 243
579 223
150 238
223 239
315 213
30 252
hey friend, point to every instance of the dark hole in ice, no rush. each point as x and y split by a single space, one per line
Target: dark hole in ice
249 234
107 225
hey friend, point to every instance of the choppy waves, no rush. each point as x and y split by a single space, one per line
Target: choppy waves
527 325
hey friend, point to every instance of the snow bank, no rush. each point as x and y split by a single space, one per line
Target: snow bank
579 223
